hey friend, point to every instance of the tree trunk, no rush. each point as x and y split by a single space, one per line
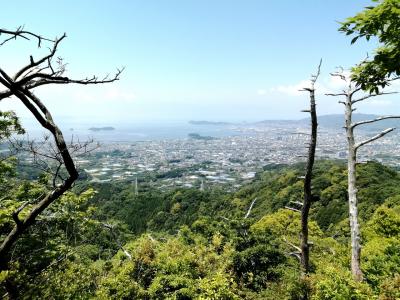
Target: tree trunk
351 162
305 251
352 193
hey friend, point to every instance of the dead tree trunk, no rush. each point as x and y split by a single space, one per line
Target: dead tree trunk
352 193
250 208
305 209
352 146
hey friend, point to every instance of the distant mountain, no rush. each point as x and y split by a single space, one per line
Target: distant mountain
337 121
333 121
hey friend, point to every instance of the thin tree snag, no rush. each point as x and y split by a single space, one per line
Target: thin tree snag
36 73
352 147
297 251
305 208
250 208
118 242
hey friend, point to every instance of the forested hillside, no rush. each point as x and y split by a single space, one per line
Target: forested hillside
105 242
237 209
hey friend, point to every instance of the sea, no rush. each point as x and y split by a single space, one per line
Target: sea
132 132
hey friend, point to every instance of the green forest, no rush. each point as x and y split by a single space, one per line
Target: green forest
320 229
105 242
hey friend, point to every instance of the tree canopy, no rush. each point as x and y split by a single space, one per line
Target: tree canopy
382 22
191 244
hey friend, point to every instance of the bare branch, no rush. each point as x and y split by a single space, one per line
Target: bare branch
336 94
374 138
295 254
34 74
296 202
47 79
23 34
5 94
340 75
374 120
43 59
292 209
9 83
372 95
353 91
298 250
314 77
392 79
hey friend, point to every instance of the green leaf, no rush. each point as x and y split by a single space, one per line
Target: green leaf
354 40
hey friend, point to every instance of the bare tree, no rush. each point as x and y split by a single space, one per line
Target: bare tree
351 97
302 253
47 69
47 158
305 208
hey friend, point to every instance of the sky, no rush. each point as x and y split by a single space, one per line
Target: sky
217 60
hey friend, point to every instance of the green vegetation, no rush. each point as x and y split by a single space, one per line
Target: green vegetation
106 242
381 22
197 136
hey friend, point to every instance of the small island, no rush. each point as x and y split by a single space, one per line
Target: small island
106 128
197 136
209 123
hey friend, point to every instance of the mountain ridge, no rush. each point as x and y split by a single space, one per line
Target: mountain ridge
327 121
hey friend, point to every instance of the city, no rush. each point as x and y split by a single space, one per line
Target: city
227 161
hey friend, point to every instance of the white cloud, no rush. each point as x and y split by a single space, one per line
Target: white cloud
296 89
323 86
291 90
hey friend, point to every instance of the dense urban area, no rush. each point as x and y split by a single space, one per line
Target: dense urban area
198 161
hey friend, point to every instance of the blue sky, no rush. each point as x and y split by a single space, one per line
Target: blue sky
209 60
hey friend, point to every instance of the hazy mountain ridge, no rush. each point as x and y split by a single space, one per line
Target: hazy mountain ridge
334 121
